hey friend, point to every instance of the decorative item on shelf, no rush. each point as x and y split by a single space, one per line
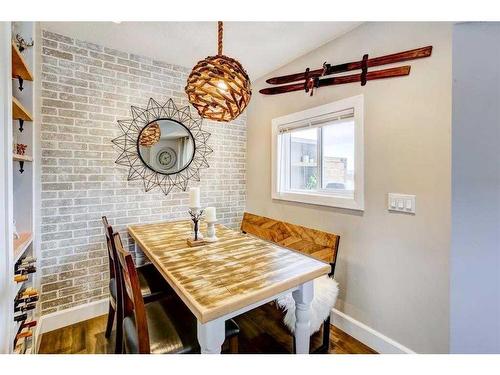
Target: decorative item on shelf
155 165
20 278
218 86
20 156
20 69
28 293
312 79
21 148
25 298
24 306
22 44
20 317
211 219
30 324
150 135
24 333
25 266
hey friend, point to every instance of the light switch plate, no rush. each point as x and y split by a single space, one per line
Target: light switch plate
401 203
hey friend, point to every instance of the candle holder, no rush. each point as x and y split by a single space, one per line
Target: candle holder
197 238
211 237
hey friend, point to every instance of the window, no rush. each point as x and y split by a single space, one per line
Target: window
318 155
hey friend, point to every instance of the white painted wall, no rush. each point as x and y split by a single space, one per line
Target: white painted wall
475 244
393 269
5 181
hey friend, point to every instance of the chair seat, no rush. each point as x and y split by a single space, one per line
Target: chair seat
150 281
172 328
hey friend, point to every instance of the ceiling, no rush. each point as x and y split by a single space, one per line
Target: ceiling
260 46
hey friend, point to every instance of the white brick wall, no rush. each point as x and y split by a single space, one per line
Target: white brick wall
85 89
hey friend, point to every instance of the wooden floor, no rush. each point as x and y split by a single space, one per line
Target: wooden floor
259 334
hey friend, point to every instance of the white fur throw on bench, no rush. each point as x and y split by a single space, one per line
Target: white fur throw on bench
326 291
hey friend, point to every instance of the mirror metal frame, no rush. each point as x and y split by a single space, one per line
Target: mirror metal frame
127 145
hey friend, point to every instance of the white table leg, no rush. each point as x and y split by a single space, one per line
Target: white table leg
303 297
211 336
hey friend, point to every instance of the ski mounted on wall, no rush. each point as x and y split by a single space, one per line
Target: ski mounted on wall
312 79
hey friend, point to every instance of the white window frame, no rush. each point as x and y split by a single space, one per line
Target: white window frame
322 198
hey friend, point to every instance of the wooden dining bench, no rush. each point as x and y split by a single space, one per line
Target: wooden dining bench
318 244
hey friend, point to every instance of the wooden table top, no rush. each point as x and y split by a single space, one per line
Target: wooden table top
221 277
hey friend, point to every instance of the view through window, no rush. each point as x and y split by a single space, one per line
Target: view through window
321 158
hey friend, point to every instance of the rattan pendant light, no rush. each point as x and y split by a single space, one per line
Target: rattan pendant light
150 135
218 86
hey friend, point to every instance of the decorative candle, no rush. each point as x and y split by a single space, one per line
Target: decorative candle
210 214
194 197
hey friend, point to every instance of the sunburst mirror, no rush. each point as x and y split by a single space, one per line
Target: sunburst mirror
163 145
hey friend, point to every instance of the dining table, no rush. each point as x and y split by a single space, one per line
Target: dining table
223 279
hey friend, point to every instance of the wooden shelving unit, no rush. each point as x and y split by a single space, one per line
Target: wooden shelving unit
19 112
19 66
17 157
22 194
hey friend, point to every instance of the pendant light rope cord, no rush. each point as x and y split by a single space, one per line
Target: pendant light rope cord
218 86
219 38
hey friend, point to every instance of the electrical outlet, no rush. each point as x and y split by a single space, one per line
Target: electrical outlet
401 203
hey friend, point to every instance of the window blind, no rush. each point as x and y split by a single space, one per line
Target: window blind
317 121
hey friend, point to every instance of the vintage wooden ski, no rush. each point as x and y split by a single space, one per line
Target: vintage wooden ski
339 80
417 53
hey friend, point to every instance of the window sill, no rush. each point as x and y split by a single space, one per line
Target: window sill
320 200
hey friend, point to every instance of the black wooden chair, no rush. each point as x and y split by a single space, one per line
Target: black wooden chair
152 285
165 326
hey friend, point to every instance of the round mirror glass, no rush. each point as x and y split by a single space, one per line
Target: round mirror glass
166 146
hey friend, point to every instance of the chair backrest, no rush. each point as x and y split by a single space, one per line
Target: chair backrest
114 272
319 244
133 303
108 231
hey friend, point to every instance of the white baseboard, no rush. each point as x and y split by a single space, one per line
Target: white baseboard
368 336
72 315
